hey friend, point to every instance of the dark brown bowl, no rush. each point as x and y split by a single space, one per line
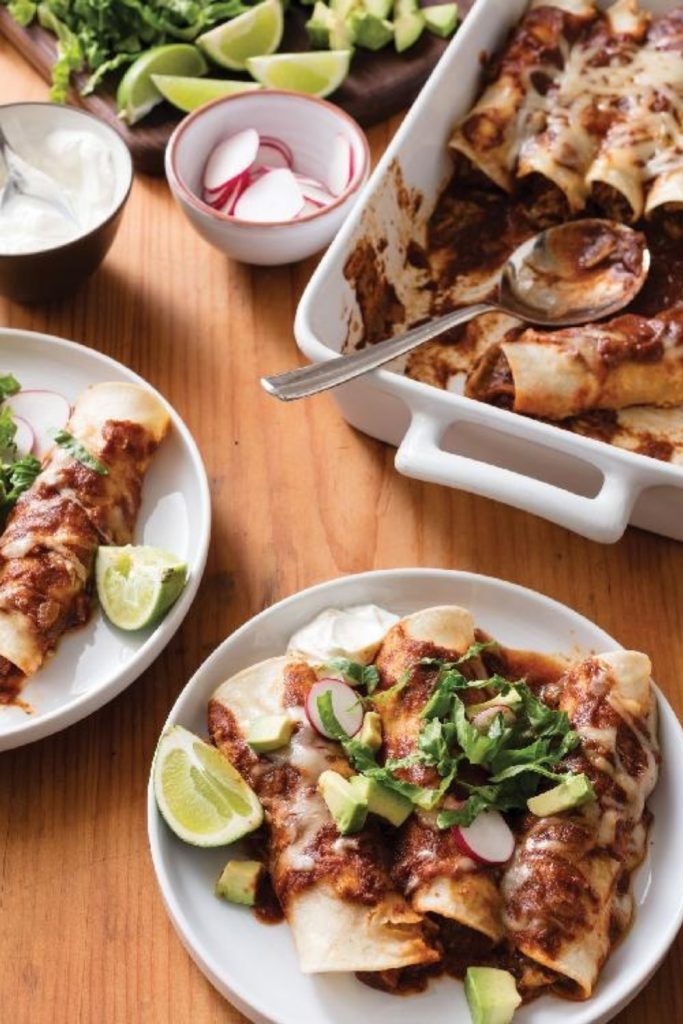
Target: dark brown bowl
52 273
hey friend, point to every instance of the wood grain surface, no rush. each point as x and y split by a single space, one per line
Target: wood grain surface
380 84
298 497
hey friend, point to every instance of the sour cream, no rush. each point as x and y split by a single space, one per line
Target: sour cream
355 633
83 166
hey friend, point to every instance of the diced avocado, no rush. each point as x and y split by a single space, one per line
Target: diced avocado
347 806
441 19
571 792
270 732
319 24
492 995
403 7
343 7
407 30
341 35
239 881
370 734
510 700
370 32
380 8
381 800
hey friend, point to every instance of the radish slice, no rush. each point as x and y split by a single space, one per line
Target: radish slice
276 146
488 840
44 411
309 208
235 192
340 170
271 155
347 707
274 197
230 159
24 438
483 719
315 194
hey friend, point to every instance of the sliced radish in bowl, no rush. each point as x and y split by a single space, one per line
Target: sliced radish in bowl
483 719
273 197
346 705
24 437
274 153
230 159
44 411
340 171
488 840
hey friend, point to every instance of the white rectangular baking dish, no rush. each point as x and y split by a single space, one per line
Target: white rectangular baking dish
587 486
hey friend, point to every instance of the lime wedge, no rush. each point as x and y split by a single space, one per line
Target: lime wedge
202 798
137 94
189 93
318 73
137 585
251 34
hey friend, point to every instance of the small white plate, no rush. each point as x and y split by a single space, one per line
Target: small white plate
254 965
95 663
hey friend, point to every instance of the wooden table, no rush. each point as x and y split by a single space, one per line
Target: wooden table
298 497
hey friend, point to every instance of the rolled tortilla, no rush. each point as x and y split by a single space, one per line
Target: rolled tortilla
511 108
625 362
343 909
48 548
435 875
567 890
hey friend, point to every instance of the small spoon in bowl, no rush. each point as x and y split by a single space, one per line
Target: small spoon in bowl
570 274
23 179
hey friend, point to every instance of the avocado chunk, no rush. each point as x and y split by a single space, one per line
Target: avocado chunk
381 800
370 32
346 805
492 995
407 30
370 734
511 700
442 19
318 26
270 732
571 792
380 8
239 881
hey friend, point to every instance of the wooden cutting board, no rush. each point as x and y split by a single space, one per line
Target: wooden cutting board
380 84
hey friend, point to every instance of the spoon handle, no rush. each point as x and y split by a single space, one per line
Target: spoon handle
311 380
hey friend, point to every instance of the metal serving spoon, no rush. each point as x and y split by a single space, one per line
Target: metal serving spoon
570 274
23 179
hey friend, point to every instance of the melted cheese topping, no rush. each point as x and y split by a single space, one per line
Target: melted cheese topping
610 113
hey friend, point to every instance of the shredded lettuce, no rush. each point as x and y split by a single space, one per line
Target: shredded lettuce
16 474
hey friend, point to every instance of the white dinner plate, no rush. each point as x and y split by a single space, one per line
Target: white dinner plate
254 965
94 663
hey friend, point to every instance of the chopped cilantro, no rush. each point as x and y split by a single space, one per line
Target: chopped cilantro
355 673
78 451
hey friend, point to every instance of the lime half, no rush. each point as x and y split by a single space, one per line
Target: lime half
202 798
189 93
137 94
251 34
137 585
317 72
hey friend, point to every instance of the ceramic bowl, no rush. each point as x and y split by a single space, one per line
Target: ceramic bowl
309 126
51 273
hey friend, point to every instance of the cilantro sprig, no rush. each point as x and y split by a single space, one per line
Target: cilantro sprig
354 673
514 752
78 451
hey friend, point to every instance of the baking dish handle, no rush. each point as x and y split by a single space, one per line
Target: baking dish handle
603 518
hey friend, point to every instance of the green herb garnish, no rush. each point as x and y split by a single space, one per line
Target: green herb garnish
78 451
355 673
9 385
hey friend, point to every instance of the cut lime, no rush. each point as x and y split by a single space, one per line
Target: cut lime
251 34
137 585
317 73
137 94
202 798
189 93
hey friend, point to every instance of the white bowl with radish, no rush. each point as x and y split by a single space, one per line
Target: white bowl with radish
267 177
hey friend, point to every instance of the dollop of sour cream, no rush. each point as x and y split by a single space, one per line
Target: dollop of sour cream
354 633
82 165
